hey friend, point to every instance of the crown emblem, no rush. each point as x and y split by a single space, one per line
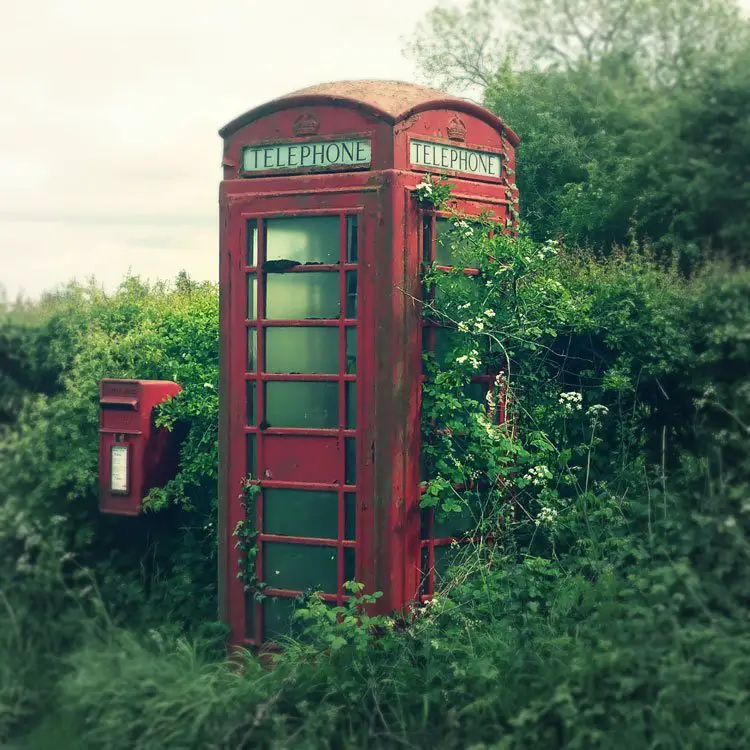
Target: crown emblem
306 124
456 129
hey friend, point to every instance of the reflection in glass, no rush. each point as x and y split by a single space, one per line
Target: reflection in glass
351 239
351 406
350 515
301 513
252 242
302 296
350 461
250 615
443 239
446 557
299 567
277 617
250 402
304 239
424 559
449 248
477 391
350 564
351 294
445 340
302 350
252 350
252 286
250 465
351 350
427 239
301 404
454 524
459 286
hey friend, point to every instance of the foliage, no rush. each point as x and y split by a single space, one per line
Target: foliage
609 610
54 542
432 193
631 114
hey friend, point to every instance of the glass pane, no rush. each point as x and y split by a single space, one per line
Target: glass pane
302 350
424 557
350 564
277 617
300 567
427 239
250 465
446 557
350 515
303 239
251 516
252 242
302 296
476 391
448 250
351 406
454 524
252 286
250 413
351 350
350 461
301 513
302 404
445 340
351 239
443 251
249 615
252 349
351 294
460 285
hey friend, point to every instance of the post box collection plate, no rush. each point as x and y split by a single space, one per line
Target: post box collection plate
118 475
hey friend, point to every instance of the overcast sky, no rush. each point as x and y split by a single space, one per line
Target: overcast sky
109 155
109 111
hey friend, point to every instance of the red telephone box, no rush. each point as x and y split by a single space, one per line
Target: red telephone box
134 455
322 337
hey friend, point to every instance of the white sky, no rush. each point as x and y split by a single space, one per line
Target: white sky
109 155
109 111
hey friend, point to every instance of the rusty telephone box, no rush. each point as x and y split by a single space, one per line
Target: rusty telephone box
322 337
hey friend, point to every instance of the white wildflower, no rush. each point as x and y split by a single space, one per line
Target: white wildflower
547 517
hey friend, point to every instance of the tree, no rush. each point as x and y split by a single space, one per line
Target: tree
601 93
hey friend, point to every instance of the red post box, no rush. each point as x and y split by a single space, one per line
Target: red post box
134 455
322 336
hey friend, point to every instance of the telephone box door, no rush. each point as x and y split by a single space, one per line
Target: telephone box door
294 394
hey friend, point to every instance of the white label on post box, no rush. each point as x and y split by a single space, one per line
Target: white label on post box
442 156
118 474
356 152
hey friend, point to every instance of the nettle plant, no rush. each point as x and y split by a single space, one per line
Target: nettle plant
520 458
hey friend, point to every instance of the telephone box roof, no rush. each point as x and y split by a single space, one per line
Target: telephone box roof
391 101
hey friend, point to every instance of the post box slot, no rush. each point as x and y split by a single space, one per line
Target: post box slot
125 404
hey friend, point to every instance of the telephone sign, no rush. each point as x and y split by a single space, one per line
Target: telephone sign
301 156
